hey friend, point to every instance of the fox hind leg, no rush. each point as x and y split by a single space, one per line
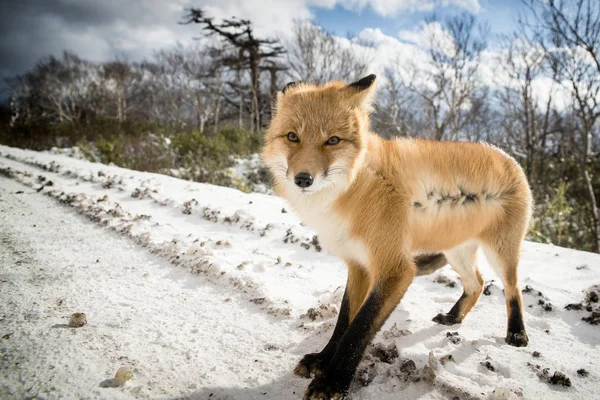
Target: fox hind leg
463 260
505 259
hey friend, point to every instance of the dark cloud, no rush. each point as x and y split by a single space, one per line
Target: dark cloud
97 30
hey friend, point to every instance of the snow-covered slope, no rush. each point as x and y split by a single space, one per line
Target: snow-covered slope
207 292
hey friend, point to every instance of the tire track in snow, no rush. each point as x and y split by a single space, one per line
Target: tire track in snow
206 243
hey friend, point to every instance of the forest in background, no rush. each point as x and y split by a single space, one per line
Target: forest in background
188 111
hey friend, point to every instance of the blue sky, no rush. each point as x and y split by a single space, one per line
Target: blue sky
501 15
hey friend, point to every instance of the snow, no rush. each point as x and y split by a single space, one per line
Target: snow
204 290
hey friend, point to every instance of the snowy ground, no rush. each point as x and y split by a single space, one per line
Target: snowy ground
207 292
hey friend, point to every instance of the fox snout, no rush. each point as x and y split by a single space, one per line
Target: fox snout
303 179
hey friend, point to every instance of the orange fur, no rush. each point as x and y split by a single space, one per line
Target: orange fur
376 203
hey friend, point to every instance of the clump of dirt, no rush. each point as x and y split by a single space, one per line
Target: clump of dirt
582 372
188 206
593 318
574 306
592 294
394 332
386 354
453 337
536 354
382 359
405 370
444 280
447 358
558 378
589 304
546 305
315 242
290 237
312 242
366 374
487 364
530 290
142 193
487 289
323 311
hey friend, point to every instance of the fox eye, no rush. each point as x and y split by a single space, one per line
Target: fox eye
292 137
332 141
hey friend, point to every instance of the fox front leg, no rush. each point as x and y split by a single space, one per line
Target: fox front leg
313 364
356 290
334 381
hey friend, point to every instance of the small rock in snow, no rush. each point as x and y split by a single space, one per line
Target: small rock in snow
503 393
77 320
122 375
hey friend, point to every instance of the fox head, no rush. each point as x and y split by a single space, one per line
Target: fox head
317 138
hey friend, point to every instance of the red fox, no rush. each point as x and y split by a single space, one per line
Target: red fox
391 209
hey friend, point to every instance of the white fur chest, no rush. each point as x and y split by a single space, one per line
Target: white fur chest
333 231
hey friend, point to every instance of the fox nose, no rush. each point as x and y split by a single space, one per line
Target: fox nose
303 179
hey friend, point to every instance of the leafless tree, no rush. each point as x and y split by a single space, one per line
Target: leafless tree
254 50
570 33
394 115
315 55
449 85
121 82
526 123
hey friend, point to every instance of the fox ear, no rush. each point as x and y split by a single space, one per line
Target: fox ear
364 83
281 94
362 92
289 85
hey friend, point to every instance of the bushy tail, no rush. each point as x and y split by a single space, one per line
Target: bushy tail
429 263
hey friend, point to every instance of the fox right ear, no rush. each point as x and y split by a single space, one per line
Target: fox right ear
289 86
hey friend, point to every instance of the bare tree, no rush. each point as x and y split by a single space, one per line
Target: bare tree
121 83
449 85
255 50
525 123
315 55
394 116
570 33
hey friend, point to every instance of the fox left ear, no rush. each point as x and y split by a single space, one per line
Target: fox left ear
364 83
362 92
288 86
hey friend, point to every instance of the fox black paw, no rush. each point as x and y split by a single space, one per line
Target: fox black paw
322 388
517 339
446 319
311 365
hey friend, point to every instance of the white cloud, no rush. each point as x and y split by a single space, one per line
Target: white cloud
389 51
389 8
429 35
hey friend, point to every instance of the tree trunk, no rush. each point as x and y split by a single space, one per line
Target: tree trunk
217 109
254 72
241 93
